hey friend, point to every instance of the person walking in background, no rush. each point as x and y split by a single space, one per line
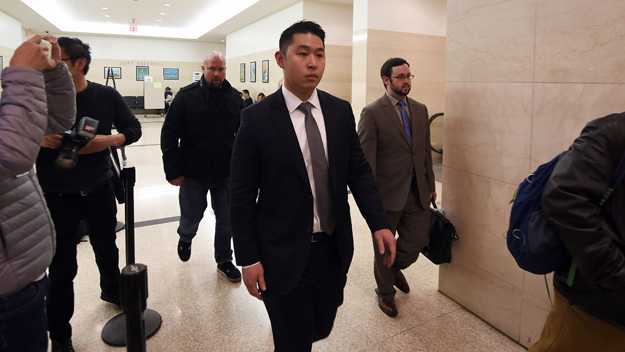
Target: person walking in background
38 99
196 141
247 100
293 159
395 135
260 97
169 97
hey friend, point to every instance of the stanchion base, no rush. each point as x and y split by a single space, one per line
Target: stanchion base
114 331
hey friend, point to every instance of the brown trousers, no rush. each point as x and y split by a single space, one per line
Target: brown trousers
569 329
413 226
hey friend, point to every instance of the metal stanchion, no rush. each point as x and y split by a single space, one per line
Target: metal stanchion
136 323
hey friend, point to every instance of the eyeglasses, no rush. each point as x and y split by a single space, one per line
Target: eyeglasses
402 77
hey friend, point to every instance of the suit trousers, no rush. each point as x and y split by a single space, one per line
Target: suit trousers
307 313
412 224
98 210
569 328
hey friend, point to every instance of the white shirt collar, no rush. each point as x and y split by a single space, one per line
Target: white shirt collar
293 102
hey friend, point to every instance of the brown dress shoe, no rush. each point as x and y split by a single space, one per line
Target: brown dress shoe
401 283
387 305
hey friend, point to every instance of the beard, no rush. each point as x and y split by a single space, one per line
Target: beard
399 90
213 85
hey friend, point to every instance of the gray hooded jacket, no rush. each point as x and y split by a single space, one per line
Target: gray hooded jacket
33 105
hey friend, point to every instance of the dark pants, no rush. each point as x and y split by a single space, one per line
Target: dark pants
193 203
23 319
307 313
412 224
98 210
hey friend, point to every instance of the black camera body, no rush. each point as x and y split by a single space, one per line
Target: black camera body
74 140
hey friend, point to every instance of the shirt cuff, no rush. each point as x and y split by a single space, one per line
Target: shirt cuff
249 266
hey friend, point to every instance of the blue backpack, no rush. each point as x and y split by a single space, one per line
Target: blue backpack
531 240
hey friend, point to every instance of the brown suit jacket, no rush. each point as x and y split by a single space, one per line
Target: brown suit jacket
390 155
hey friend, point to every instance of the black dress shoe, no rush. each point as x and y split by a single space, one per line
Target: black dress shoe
401 283
387 305
184 250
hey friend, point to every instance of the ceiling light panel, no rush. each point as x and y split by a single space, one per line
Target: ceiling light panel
85 17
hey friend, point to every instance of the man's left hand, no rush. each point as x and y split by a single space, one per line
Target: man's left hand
101 142
433 196
386 244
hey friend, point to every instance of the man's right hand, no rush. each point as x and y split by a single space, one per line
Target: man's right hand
254 278
53 142
177 181
30 54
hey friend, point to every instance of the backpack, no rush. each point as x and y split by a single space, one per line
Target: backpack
531 240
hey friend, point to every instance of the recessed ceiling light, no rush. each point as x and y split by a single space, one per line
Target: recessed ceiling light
159 20
105 8
162 13
107 16
223 41
166 4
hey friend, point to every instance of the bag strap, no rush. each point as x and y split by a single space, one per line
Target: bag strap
433 203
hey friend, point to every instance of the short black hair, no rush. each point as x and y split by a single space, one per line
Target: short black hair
246 91
76 49
304 27
387 67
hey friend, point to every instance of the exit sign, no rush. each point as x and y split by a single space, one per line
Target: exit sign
133 28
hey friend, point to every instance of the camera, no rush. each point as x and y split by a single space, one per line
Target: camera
73 140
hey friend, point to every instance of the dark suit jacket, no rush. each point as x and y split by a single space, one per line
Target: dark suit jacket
247 102
270 196
386 146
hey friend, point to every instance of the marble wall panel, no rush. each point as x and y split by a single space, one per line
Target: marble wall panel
487 129
479 209
580 42
533 316
485 295
490 40
562 110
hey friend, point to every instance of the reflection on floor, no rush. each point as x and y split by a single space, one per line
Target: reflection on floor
202 311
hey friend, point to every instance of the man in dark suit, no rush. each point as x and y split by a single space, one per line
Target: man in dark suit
247 101
294 156
395 135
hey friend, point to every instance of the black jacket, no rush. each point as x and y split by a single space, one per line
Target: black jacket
271 201
594 235
106 105
197 136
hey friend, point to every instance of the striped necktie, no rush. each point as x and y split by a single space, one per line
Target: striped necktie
406 120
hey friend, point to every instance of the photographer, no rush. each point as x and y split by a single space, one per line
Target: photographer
33 104
83 192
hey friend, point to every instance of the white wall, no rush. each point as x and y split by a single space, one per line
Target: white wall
110 47
417 16
264 34
335 19
10 31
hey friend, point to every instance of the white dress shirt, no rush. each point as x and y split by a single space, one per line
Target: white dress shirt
297 118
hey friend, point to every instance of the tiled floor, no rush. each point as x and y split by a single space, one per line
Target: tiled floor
202 311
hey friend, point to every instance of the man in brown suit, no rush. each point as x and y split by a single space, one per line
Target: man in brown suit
395 136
